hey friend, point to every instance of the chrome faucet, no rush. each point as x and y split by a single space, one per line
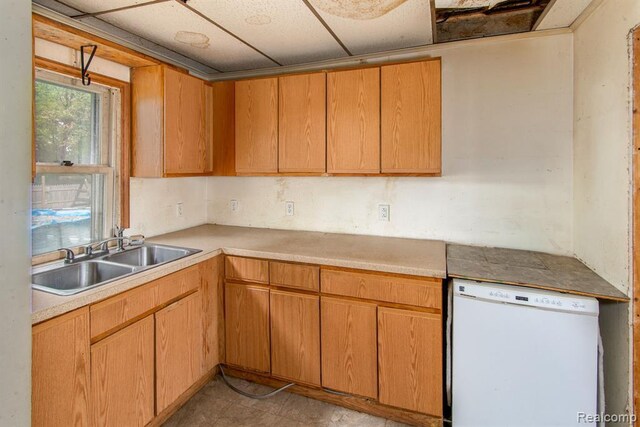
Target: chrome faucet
69 255
100 248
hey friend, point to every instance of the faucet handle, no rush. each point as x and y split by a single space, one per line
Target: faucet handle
69 255
118 231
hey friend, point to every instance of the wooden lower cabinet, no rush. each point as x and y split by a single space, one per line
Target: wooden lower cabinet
247 326
179 349
349 362
122 376
60 371
212 276
295 336
410 360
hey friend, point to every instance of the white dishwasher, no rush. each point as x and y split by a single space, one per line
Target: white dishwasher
522 356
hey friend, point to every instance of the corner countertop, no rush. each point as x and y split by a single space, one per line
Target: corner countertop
415 257
527 268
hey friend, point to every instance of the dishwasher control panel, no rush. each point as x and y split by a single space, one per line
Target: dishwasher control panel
525 296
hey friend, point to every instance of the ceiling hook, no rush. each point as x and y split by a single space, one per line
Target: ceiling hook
86 79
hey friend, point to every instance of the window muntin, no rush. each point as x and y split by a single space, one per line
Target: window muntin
74 205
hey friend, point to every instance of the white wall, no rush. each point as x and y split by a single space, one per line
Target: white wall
507 162
15 176
153 204
602 140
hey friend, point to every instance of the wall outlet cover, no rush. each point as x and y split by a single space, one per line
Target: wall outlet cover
179 209
234 205
384 212
289 208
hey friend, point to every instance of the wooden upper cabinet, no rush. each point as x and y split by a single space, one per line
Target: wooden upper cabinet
169 132
410 360
60 371
256 126
411 118
353 121
302 114
221 113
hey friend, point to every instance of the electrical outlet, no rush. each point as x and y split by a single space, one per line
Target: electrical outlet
234 205
179 209
384 212
289 208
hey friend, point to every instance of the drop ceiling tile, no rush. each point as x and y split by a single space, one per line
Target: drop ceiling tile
375 26
166 23
93 6
287 31
561 14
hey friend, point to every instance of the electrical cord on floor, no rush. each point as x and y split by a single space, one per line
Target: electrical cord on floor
252 396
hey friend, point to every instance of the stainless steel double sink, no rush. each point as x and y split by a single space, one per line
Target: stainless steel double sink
80 276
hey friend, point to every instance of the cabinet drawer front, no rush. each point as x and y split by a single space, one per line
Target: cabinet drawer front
177 284
113 312
295 275
249 269
401 290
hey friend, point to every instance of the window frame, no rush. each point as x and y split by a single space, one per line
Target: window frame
117 174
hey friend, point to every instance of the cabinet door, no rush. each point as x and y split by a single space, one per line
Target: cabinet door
257 126
411 118
295 335
186 149
178 349
353 121
349 352
122 371
60 371
302 114
410 360
247 326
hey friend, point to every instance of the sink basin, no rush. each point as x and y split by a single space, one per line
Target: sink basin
79 277
148 255
86 274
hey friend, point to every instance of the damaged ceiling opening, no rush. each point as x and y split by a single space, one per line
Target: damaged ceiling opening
469 19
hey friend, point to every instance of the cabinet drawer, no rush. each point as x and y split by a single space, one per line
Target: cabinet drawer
401 290
113 312
298 276
249 269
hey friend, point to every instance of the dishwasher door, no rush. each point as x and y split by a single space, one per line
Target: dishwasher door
521 365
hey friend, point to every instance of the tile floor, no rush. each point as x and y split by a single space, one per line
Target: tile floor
218 405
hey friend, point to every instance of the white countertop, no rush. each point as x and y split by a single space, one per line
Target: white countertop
387 254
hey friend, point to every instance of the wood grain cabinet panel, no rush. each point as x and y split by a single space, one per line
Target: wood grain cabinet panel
295 337
424 292
221 114
247 327
410 360
212 274
257 126
301 124
169 128
349 362
411 118
179 343
60 371
299 276
122 377
247 269
353 121
186 148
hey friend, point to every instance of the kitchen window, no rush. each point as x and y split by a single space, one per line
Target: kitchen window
77 129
